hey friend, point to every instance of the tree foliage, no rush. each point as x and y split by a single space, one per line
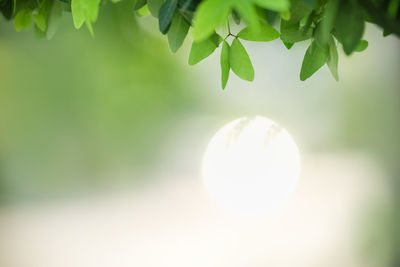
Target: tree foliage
325 24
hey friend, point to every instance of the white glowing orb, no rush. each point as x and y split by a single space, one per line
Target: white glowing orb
251 166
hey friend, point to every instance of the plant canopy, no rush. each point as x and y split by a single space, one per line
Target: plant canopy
324 23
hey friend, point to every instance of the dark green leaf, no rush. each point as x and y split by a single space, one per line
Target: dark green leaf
225 65
349 25
240 62
314 59
324 28
177 32
166 14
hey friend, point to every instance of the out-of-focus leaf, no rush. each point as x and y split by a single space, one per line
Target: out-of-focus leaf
324 28
361 46
143 11
236 17
201 50
294 34
40 21
22 20
349 25
275 5
333 58
54 18
177 32
248 12
139 4
84 11
240 62
166 14
154 6
209 15
314 59
264 34
225 65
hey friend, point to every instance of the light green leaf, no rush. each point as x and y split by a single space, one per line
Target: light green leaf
177 32
209 15
275 5
154 6
314 59
349 25
266 33
143 11
225 65
361 46
84 11
22 20
333 58
201 50
166 14
240 62
248 12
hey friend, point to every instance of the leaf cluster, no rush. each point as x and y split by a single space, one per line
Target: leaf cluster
325 24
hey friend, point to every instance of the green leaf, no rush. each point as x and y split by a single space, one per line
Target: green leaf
177 32
84 11
201 50
266 33
333 58
143 11
248 12
22 20
361 46
274 5
40 21
225 65
209 15
323 30
349 25
294 34
240 62
154 6
166 14
314 59
54 18
288 45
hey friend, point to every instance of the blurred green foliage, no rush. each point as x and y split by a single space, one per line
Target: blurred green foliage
73 108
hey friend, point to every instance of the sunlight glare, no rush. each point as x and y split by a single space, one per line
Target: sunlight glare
251 166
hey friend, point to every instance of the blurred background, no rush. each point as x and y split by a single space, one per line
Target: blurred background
101 143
